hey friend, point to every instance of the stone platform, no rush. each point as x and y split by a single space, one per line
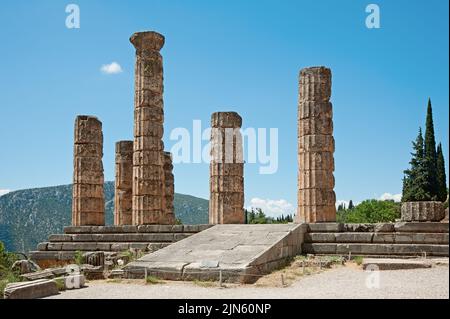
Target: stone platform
399 239
61 248
236 253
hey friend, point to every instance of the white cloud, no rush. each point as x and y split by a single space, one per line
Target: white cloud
4 191
389 196
273 208
112 68
341 201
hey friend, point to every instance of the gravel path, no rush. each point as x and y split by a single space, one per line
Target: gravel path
343 282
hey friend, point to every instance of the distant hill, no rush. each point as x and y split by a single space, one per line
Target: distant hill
28 216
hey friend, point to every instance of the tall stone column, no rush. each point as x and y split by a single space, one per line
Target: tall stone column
316 197
169 190
226 205
148 158
88 203
123 194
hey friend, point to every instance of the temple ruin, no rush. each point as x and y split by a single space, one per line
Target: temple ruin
144 197
316 197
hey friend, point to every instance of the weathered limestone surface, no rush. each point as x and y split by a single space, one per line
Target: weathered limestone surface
226 205
422 211
31 289
238 251
169 188
88 199
123 184
316 197
148 202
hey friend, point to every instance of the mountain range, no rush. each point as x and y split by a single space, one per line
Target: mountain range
29 216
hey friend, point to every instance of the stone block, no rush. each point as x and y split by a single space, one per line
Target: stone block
384 228
316 143
42 246
322 125
320 238
319 248
88 129
421 227
31 290
226 120
388 238
354 237
325 227
316 161
316 197
321 179
315 84
422 211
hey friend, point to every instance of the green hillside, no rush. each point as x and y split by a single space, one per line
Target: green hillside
29 216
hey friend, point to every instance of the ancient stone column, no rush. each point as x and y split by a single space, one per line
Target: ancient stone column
148 158
123 194
169 190
316 197
226 205
88 204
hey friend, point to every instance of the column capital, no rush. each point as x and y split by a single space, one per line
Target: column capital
147 40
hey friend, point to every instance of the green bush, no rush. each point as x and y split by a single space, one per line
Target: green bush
6 274
371 211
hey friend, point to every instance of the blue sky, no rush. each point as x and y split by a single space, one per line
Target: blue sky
225 55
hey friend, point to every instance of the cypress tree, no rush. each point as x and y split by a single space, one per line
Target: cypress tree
350 205
416 181
430 154
440 174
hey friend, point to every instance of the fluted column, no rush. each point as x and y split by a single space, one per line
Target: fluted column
88 204
123 194
226 205
169 190
316 197
148 158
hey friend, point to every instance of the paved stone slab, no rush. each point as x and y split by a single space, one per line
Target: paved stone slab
31 289
238 250
395 263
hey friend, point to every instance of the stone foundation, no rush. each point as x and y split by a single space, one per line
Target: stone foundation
60 248
386 239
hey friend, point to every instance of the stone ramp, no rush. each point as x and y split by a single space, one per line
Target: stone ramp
236 253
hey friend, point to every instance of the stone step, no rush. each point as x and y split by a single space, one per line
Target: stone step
408 227
375 249
100 246
119 237
31 289
386 238
135 229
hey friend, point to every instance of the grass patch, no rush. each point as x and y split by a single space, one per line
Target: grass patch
204 284
78 258
114 281
152 280
358 260
60 284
